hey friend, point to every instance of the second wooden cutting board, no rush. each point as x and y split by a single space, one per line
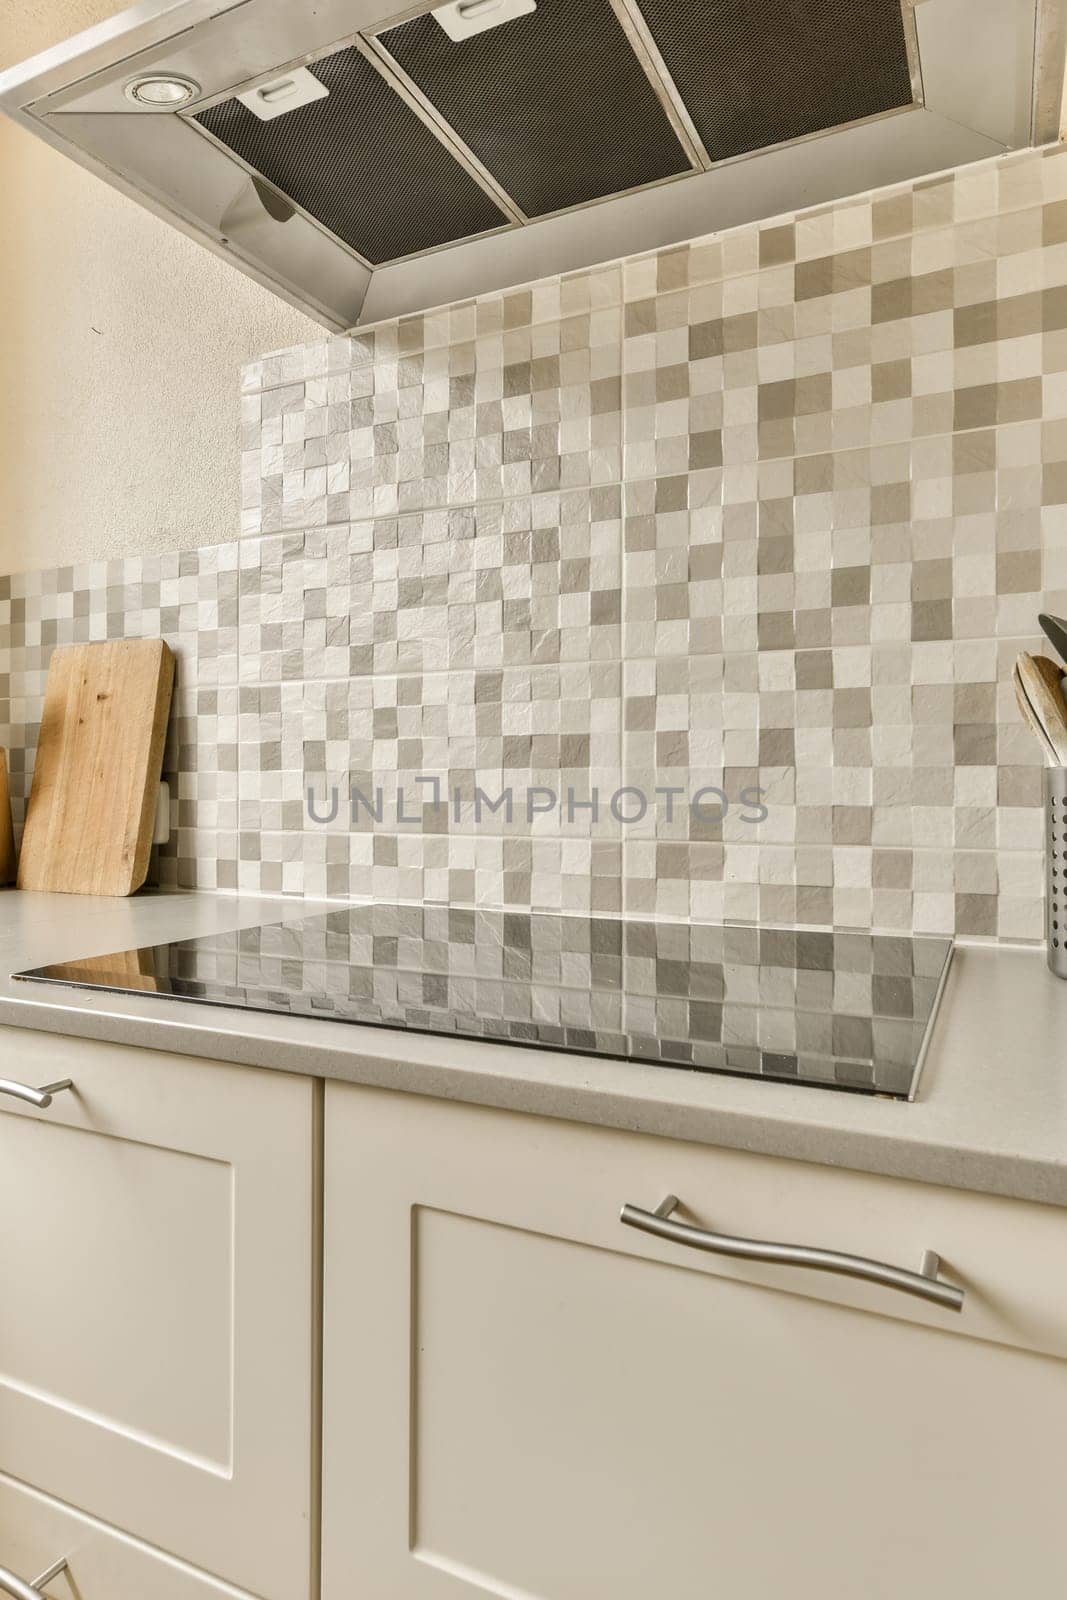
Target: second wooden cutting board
96 775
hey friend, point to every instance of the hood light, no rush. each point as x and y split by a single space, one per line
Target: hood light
162 91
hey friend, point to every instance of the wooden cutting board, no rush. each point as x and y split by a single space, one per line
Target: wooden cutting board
7 836
99 757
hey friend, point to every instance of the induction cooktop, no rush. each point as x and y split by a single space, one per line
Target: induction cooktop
839 1010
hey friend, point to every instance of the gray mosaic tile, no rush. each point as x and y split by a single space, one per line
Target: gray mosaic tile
530 580
502 407
528 752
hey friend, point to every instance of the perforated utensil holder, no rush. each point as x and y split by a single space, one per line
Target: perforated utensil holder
1056 868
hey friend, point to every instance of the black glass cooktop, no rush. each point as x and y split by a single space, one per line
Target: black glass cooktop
838 1010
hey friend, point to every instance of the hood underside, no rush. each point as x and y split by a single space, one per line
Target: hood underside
366 164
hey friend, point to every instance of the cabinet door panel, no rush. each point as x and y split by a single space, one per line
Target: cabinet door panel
101 1230
524 1400
156 1327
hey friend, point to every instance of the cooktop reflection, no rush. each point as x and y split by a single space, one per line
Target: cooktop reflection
837 1010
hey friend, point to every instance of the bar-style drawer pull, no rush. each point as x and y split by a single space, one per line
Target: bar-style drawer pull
41 1098
925 1283
11 1585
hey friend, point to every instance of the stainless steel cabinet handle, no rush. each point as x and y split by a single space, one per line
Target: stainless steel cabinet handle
925 1283
11 1585
41 1098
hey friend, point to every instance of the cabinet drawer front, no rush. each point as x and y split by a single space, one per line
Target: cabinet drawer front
35 1532
548 1404
156 1337
571 1181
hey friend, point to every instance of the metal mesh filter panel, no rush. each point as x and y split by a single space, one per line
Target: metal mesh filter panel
362 163
554 104
757 75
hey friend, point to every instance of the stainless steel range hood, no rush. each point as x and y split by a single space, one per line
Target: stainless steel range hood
365 163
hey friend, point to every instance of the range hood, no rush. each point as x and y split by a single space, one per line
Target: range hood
366 163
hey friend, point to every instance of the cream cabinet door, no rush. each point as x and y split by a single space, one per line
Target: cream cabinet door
524 1399
157 1303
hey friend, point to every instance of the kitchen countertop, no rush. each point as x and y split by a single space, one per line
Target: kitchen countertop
991 1112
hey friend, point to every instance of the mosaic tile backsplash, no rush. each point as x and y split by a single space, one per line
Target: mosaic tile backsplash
771 511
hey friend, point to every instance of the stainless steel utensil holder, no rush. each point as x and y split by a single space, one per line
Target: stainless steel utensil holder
1056 868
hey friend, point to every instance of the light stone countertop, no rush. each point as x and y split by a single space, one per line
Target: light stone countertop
991 1112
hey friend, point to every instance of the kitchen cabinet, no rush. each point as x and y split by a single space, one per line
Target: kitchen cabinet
518 1396
525 1399
158 1332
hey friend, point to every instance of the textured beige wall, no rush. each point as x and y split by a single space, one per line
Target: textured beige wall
120 344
